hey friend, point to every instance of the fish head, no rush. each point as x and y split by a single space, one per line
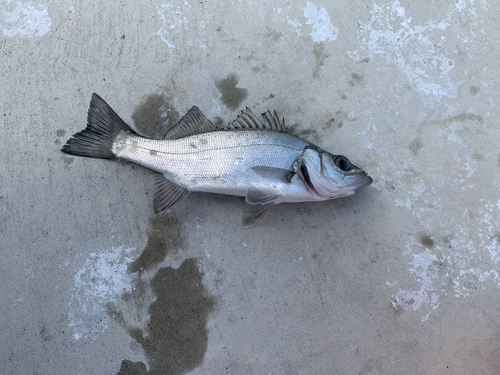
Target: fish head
330 176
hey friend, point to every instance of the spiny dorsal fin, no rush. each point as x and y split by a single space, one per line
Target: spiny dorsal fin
248 121
273 122
193 122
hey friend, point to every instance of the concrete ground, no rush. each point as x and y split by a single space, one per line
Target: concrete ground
402 278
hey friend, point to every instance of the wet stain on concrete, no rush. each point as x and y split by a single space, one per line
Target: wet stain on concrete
67 160
462 118
307 134
132 368
478 156
474 90
416 145
176 338
320 56
155 115
45 335
164 234
273 35
342 95
329 123
232 96
219 122
356 79
60 132
426 241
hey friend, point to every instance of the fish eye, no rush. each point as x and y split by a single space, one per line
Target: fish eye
343 163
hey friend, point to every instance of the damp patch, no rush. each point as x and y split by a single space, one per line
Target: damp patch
175 339
155 116
232 96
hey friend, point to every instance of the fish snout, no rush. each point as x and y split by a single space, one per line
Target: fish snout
362 181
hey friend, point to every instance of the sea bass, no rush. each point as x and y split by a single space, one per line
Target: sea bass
251 157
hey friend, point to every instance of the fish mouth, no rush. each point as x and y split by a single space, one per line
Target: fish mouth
362 181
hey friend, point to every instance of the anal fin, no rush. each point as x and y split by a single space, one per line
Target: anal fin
167 194
259 202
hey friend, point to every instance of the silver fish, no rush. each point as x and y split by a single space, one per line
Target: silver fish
251 157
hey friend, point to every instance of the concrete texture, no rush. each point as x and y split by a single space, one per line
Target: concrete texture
402 278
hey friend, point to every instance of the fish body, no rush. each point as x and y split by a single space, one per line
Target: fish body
252 158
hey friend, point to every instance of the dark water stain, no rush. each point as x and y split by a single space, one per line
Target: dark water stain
164 234
356 79
255 69
416 145
273 35
45 335
474 90
60 132
426 241
307 134
132 368
329 123
320 56
219 122
462 117
67 160
478 156
176 338
342 95
232 96
155 115
338 120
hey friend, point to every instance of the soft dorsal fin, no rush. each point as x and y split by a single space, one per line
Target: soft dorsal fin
193 122
248 121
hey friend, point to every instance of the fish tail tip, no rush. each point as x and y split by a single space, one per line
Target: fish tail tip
96 140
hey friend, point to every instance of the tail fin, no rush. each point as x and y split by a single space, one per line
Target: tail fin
96 140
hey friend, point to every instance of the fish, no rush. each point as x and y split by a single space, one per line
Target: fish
252 157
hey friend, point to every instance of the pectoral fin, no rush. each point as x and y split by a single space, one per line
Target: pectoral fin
282 175
167 194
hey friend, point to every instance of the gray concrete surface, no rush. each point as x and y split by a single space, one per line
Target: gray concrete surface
402 278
